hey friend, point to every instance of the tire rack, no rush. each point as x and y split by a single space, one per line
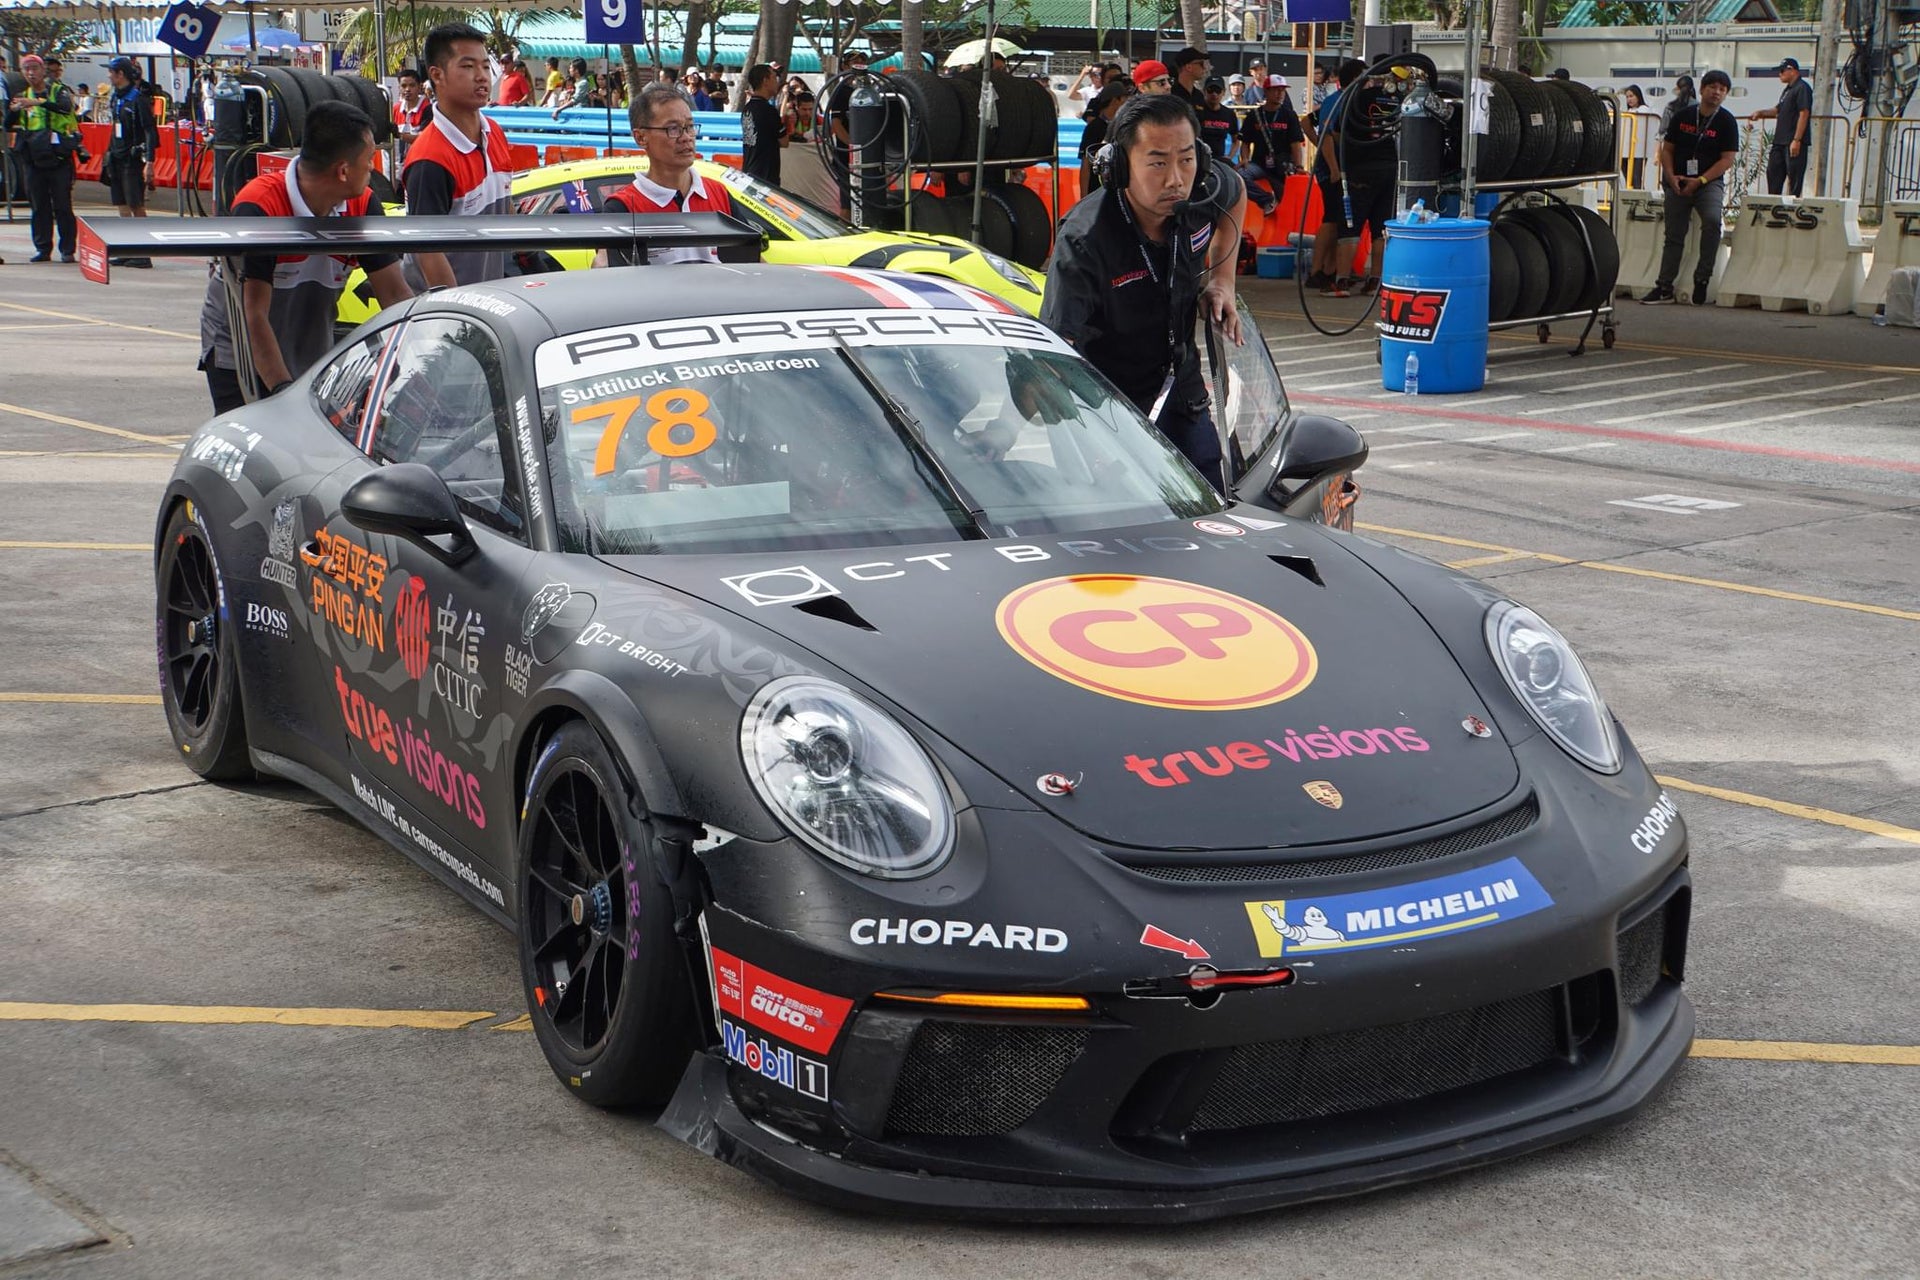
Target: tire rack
979 164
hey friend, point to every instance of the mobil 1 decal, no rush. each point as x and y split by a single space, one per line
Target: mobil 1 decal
1399 915
1411 315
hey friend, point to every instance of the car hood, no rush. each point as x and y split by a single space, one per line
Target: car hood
1196 685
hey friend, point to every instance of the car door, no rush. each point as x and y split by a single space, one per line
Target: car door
423 708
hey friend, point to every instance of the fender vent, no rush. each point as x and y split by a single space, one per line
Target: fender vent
1193 871
835 609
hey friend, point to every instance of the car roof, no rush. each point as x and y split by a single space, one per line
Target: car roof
575 300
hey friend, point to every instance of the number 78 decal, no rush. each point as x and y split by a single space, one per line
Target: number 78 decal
679 427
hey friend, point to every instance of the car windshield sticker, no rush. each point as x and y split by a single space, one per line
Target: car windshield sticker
1158 641
677 424
1398 915
910 319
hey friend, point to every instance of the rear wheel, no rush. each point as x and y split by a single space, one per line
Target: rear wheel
199 678
605 977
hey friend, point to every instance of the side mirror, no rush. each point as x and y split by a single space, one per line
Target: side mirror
1315 446
409 500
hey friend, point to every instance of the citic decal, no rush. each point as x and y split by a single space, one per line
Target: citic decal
1158 641
1411 315
790 1010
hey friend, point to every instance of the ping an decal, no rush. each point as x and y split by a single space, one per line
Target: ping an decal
1411 315
1397 916
790 1010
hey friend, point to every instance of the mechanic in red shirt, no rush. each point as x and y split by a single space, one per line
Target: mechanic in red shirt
662 120
288 303
413 113
516 87
461 163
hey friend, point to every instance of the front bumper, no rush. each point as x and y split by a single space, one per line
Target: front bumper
1372 1067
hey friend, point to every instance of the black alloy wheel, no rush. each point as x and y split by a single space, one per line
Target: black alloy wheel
199 678
606 978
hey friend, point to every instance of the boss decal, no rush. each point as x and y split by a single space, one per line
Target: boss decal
1411 315
1158 641
1397 915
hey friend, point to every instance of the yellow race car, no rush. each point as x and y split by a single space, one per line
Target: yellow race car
794 231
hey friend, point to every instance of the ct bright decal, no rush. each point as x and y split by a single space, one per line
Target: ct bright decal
1403 913
1158 641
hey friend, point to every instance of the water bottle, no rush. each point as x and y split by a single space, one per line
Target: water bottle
1412 378
1419 211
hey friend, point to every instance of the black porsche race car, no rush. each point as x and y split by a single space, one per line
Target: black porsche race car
901 766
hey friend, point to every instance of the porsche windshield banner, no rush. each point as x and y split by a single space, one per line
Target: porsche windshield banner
1411 315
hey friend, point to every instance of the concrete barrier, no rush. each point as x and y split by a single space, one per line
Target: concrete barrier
1897 246
1642 232
1805 254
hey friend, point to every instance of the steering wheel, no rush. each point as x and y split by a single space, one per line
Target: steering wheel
480 428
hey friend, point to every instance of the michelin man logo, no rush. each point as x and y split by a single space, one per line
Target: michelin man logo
1315 929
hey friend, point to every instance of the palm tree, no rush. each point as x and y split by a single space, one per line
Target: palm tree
1193 17
407 29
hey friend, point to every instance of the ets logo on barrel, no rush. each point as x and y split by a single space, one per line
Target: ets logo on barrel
1411 315
1158 641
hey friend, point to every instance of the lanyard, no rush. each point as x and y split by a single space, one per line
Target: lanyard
1175 234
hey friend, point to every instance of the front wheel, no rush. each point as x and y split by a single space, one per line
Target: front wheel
605 976
199 677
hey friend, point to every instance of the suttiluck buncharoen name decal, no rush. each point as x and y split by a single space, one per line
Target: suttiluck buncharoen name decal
1400 914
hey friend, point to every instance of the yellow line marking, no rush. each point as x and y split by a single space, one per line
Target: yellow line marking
1772 593
522 1023
1475 562
111 324
1892 1055
85 453
21 328
1867 826
118 699
88 426
232 1015
75 546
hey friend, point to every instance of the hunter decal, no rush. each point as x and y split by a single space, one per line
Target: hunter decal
1158 641
1411 315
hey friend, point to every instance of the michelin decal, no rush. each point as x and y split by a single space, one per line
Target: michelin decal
1401 914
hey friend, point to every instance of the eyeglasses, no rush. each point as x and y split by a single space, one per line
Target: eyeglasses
1161 80
675 132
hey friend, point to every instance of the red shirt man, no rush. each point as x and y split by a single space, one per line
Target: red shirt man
461 163
662 120
516 87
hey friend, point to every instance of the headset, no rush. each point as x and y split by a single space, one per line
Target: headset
1111 159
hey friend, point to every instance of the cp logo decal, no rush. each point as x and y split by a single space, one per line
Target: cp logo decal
1157 641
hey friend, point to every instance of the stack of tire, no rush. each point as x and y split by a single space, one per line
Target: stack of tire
1540 129
1546 260
947 130
293 91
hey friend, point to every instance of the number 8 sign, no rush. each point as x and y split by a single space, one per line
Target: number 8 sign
615 22
189 28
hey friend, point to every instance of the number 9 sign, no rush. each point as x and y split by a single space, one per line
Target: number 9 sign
188 28
615 22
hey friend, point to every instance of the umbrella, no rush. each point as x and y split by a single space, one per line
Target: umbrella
269 38
974 52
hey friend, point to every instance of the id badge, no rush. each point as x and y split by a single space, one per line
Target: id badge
117 129
1160 401
1693 168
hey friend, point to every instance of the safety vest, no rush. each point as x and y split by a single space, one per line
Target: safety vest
43 116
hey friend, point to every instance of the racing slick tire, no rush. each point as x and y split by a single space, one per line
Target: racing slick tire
935 110
1530 296
366 94
1538 122
289 101
1603 272
199 661
1578 102
606 979
996 223
1566 258
1503 279
1032 228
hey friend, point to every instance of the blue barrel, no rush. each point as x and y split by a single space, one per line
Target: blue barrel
1433 304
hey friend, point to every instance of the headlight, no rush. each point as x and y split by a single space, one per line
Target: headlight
1541 667
846 779
1007 271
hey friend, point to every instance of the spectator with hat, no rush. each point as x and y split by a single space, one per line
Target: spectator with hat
1793 117
46 136
1702 143
1152 76
128 170
1190 70
1252 86
1272 143
1219 126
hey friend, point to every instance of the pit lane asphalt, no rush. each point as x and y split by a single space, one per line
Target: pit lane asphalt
201 1150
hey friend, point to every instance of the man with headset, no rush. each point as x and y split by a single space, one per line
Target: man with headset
1135 262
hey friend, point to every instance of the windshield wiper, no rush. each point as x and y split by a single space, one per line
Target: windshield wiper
909 426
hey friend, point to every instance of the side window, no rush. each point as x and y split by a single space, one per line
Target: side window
340 390
445 405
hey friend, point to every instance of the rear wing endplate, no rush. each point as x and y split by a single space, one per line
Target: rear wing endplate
637 233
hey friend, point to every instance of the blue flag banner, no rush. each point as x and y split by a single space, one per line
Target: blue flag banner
188 27
1319 10
615 22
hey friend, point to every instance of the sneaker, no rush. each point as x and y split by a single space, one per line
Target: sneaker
1337 289
1319 280
41 257
1661 296
1368 285
1699 294
67 257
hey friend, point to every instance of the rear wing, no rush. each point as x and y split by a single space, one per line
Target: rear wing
637 233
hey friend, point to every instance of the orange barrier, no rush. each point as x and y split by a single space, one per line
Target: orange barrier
1039 180
95 138
166 161
731 162
558 154
525 156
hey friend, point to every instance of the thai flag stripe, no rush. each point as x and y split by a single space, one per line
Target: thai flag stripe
873 288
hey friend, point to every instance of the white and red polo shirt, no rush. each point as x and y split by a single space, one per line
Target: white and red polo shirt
644 195
448 172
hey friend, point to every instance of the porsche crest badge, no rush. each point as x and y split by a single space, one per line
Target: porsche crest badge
1324 792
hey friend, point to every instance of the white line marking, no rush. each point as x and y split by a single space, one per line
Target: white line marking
1504 435
1582 406
1317 387
1575 448
1394 431
1562 370
1479 400
1728 426
1402 466
1729 404
1408 444
1333 355
1359 417
1825 408
1652 506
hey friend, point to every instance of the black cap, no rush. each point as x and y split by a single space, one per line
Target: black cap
1215 84
1185 56
1785 63
125 66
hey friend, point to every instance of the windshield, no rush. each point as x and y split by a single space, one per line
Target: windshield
1248 397
762 433
804 219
